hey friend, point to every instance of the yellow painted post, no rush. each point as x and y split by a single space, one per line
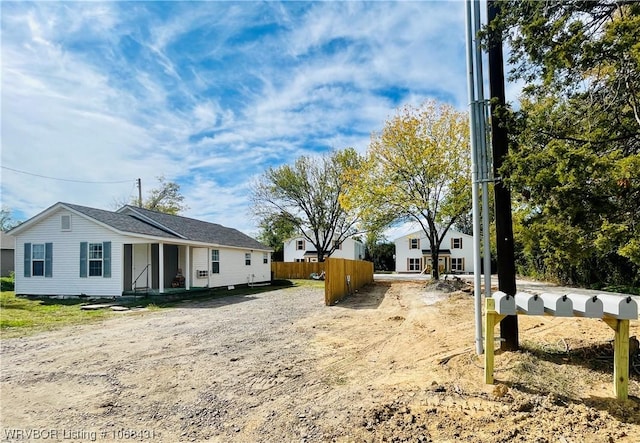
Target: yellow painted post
620 357
491 317
489 325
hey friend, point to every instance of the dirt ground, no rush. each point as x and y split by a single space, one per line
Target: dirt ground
395 362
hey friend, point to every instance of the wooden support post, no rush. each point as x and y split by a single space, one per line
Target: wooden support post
620 357
491 317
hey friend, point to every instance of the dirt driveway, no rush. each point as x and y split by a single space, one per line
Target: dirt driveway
392 363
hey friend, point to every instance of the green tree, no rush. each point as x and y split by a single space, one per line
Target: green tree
307 195
417 168
275 229
166 197
382 256
575 157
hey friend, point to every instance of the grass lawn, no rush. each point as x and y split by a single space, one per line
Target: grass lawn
22 316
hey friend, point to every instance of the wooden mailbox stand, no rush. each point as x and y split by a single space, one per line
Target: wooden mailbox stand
614 310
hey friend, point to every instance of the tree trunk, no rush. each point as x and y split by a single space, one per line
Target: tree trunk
435 269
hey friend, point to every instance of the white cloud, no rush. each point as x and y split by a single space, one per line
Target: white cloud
194 91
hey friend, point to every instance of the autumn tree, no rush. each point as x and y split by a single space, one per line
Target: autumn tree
307 195
575 157
417 168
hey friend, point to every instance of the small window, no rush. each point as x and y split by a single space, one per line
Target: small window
414 264
215 261
265 258
37 260
95 259
247 259
65 223
456 243
414 243
337 244
299 245
457 264
202 274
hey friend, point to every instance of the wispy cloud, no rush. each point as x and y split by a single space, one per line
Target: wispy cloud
208 94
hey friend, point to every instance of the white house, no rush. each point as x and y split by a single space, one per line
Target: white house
74 250
413 253
299 249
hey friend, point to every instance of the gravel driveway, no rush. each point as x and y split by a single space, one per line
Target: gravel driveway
391 363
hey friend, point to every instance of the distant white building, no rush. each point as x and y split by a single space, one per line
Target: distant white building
299 249
413 253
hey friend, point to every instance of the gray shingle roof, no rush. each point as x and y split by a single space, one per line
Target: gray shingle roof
143 221
121 222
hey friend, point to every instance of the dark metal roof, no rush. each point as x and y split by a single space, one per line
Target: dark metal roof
440 251
135 220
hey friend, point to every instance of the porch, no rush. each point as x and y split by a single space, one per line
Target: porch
157 268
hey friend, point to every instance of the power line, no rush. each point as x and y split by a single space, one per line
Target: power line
64 179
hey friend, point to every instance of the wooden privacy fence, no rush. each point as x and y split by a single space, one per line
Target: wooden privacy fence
295 269
343 277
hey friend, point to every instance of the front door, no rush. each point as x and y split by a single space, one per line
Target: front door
141 262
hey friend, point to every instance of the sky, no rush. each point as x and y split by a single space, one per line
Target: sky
208 94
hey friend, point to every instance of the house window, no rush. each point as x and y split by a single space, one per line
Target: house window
457 264
202 274
414 264
65 223
456 243
265 258
299 245
337 244
247 259
37 260
215 261
95 259
414 243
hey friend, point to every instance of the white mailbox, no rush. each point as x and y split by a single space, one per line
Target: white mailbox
530 304
505 304
586 305
557 305
622 307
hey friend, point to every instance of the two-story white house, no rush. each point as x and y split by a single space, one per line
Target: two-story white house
299 249
413 253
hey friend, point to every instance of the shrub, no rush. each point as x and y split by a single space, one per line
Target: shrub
7 283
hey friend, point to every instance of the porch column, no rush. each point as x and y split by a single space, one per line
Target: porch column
161 267
187 272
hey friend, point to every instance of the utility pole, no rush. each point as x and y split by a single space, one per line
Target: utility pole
499 142
139 193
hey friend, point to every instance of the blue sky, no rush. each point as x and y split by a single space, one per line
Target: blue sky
209 94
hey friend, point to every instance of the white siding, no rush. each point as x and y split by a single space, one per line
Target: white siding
66 258
351 249
291 254
403 252
233 270
66 278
